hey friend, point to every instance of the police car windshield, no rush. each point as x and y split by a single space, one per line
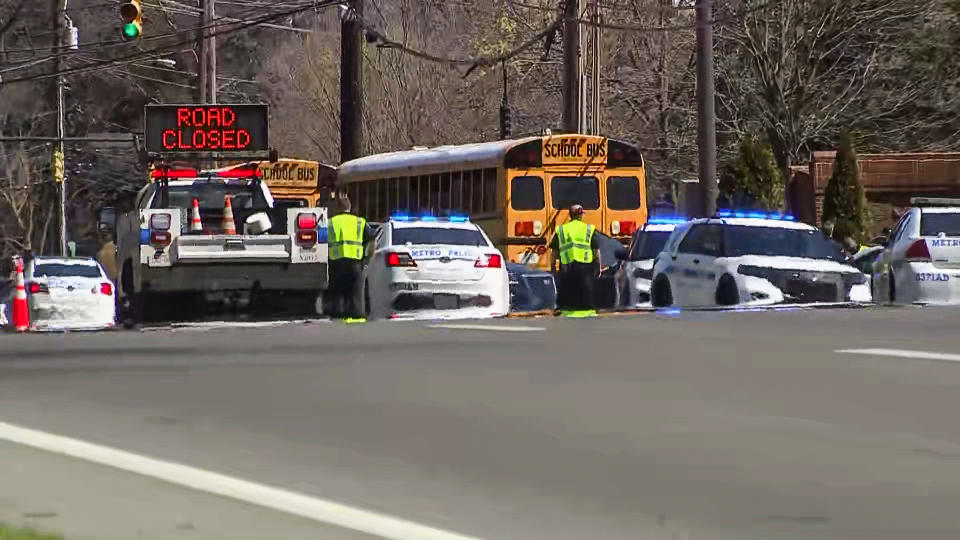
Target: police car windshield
932 224
649 245
66 270
431 236
778 242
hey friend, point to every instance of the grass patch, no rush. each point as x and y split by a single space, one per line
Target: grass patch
11 533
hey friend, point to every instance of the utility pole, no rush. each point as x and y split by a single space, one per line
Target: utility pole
572 68
59 31
351 87
208 53
706 121
595 105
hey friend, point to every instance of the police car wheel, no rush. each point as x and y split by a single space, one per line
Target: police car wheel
727 292
661 294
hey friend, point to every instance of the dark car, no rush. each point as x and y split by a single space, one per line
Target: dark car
531 289
612 254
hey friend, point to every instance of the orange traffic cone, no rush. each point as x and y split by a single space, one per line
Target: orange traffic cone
195 224
21 309
228 225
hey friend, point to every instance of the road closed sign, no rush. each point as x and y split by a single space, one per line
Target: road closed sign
176 129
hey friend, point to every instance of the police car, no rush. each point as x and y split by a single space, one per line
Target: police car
434 267
632 280
753 259
69 293
921 260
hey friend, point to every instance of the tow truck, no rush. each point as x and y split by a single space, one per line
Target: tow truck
171 266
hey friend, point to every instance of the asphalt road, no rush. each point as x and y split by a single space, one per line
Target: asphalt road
732 425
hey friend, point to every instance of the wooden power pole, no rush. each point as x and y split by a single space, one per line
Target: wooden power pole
208 53
572 72
706 121
351 84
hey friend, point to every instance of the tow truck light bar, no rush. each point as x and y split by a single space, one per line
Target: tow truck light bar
194 173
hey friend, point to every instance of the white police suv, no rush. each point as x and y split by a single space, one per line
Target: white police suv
430 267
632 280
921 260
752 258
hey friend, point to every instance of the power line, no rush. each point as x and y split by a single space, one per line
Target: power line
159 51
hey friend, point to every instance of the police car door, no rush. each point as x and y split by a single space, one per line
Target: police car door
695 260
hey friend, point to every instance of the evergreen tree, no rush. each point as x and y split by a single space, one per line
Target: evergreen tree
755 180
844 201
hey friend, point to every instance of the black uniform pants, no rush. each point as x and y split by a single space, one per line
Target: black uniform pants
346 288
576 286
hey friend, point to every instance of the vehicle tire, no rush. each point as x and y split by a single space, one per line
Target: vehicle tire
892 288
661 295
727 292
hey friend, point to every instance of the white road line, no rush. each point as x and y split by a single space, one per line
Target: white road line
490 328
324 511
900 353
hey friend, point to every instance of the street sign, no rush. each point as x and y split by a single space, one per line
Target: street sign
56 165
182 129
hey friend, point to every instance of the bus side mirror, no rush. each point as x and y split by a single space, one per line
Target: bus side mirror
107 221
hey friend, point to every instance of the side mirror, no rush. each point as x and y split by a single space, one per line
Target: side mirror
107 221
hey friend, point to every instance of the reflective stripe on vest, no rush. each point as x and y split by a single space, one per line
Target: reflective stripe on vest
574 241
346 237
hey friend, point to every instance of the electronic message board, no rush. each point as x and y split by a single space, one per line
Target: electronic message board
178 129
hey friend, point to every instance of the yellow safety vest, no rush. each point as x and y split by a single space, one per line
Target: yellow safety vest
574 242
346 237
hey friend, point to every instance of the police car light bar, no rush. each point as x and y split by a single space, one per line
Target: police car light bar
430 218
665 221
754 215
933 201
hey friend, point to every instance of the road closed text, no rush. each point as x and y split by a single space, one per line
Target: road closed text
206 128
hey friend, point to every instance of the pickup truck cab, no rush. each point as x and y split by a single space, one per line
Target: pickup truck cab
167 267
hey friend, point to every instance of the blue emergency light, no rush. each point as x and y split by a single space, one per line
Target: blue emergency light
666 221
754 215
454 218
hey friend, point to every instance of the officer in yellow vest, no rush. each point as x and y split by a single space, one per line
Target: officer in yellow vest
348 236
575 244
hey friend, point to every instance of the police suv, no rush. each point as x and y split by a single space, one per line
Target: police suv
921 260
435 268
751 258
633 277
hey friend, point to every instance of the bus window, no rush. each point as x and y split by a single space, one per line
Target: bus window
476 184
290 203
489 190
403 194
526 193
623 193
568 190
456 190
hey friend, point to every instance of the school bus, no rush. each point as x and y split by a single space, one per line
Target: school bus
517 190
296 183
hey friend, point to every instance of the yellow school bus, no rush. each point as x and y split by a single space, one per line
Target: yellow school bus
296 183
517 190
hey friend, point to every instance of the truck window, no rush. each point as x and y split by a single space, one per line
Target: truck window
213 195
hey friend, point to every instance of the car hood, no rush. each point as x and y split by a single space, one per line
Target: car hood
794 263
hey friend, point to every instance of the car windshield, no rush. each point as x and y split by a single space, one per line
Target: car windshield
212 195
932 224
66 270
431 235
779 242
649 244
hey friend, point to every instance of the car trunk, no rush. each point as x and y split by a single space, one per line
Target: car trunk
443 263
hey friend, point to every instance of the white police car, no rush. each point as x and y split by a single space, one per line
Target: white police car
432 267
750 258
632 280
921 260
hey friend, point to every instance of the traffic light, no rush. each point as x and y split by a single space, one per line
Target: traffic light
506 126
132 14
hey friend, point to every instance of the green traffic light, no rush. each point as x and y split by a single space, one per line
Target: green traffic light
130 30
